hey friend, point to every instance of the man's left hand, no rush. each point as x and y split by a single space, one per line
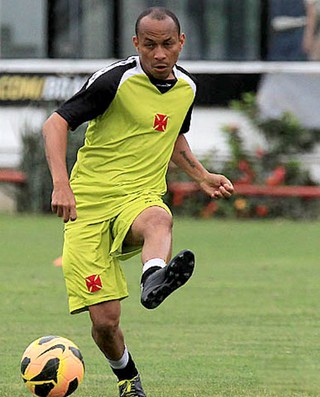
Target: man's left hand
217 186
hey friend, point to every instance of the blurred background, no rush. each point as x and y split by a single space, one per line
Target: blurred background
256 116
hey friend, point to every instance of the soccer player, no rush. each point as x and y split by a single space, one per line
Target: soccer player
138 111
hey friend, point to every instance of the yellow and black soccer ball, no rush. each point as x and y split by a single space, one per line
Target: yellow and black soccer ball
52 366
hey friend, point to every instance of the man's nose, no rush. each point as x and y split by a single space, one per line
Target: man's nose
159 52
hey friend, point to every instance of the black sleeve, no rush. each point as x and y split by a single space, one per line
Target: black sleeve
93 99
186 123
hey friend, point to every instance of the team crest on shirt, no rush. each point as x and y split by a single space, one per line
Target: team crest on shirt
94 283
160 122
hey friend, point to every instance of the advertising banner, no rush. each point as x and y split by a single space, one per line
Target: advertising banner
25 88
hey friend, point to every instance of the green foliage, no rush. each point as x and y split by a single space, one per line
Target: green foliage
35 195
276 164
285 136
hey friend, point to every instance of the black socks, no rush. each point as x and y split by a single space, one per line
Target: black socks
128 372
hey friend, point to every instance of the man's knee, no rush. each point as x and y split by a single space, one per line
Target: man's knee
105 320
152 219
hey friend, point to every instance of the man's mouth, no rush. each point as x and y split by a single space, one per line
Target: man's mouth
160 67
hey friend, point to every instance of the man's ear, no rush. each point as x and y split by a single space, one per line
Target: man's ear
135 42
182 40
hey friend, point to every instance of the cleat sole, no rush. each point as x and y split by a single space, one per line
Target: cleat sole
179 271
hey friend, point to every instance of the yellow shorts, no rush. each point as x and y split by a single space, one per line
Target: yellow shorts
92 254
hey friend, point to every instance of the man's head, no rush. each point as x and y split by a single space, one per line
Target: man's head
158 41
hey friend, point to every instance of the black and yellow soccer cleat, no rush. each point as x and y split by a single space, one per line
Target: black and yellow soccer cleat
162 282
131 387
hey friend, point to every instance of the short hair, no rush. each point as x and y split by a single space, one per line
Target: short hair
159 13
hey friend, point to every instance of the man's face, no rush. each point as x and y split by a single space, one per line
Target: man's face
158 45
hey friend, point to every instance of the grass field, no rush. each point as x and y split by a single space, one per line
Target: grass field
247 323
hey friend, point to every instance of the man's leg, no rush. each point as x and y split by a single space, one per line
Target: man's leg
106 332
109 338
153 229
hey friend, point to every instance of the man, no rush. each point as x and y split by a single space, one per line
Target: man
311 37
286 36
139 110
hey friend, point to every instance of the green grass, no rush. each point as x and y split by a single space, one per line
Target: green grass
247 323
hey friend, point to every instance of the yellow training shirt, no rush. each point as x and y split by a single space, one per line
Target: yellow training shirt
134 122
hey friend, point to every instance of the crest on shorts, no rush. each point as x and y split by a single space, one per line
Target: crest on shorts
160 122
94 283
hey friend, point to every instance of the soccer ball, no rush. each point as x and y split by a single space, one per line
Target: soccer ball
52 366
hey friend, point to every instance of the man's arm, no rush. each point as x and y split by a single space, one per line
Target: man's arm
310 28
55 134
215 185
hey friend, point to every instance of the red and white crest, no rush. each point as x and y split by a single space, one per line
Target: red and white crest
94 283
160 122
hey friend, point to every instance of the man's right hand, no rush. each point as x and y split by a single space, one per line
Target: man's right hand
55 135
63 203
